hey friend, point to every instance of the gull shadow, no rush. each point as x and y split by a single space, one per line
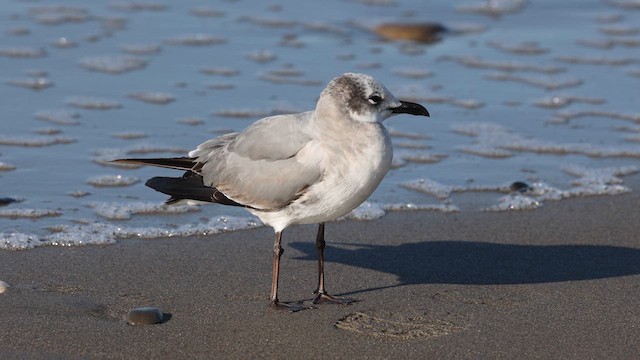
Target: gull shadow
482 263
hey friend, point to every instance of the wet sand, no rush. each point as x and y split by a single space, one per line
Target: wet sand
558 282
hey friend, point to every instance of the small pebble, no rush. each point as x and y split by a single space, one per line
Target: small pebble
6 201
3 286
520 186
144 316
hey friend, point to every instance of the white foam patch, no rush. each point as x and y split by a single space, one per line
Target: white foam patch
6 166
112 180
92 103
374 210
29 213
113 64
59 116
515 202
195 40
102 233
38 83
493 137
152 97
35 141
443 191
124 211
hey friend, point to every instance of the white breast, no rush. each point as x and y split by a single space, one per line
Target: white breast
352 173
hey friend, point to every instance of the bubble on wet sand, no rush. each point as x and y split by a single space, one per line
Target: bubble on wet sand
124 211
195 40
112 181
92 103
29 213
35 141
113 64
144 316
59 116
64 43
22 52
152 97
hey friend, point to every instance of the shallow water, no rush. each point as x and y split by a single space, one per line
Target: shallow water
539 92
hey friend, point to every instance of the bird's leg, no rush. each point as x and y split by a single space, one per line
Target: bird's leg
273 299
321 293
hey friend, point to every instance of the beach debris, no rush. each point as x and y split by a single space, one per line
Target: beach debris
3 286
426 33
6 166
520 186
147 315
4 201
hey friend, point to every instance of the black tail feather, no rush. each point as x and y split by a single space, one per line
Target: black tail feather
189 187
180 163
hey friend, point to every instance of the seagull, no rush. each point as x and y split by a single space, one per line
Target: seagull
306 168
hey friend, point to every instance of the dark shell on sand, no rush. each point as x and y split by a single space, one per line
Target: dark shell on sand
145 316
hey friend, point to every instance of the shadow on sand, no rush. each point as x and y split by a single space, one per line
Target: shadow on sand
482 263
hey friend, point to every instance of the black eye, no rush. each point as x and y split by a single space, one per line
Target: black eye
375 99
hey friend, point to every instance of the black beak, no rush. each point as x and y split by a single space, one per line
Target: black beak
407 107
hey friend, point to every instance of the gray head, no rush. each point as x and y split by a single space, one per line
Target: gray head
363 98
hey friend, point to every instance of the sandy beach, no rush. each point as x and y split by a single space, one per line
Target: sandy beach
557 282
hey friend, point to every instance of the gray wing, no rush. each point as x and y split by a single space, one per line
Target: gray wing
262 166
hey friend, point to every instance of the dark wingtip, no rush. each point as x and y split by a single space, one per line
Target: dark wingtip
411 108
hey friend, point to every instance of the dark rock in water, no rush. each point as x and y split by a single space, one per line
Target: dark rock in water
145 316
520 186
7 200
419 32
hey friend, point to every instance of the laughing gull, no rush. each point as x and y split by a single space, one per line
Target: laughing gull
306 168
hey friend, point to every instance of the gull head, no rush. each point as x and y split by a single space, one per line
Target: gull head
362 98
